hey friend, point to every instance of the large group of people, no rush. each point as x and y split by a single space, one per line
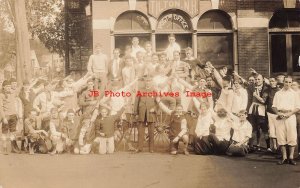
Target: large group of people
211 111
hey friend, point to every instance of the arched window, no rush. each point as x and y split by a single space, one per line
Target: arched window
131 24
284 29
215 38
176 22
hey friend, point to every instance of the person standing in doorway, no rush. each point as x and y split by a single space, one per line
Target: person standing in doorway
172 47
98 66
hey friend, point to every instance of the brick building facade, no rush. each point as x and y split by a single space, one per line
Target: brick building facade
241 34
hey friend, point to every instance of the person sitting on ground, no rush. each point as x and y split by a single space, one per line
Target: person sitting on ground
178 127
220 139
241 135
58 138
202 131
37 137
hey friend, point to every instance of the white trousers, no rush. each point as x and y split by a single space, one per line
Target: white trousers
106 145
286 131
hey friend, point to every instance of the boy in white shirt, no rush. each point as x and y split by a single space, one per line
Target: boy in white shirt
241 135
202 131
220 140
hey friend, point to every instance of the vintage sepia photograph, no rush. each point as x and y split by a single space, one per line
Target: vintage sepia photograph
149 93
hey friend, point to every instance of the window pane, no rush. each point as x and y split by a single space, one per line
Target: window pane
172 21
184 41
123 22
216 48
278 53
180 22
279 20
166 22
214 20
296 52
294 19
139 22
122 41
132 21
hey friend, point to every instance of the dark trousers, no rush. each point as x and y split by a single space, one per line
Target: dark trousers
219 147
11 124
141 135
234 150
203 147
192 122
175 146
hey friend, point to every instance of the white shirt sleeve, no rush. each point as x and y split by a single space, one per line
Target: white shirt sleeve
53 130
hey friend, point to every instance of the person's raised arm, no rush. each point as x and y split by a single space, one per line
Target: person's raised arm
53 130
216 75
186 84
163 106
127 87
197 104
238 76
81 82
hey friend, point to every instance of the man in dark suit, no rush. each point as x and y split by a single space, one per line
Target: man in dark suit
145 110
115 67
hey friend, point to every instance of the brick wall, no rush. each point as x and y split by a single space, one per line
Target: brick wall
228 6
253 50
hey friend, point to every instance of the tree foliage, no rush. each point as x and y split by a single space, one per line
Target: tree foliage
46 22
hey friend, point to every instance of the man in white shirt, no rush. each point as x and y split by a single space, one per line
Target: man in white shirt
220 140
226 97
202 131
240 98
136 47
286 104
98 65
173 46
241 135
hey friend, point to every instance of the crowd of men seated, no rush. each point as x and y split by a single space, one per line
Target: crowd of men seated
230 116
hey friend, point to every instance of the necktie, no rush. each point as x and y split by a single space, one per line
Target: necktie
115 68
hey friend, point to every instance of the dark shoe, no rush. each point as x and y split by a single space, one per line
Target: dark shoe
15 147
23 148
285 161
292 162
